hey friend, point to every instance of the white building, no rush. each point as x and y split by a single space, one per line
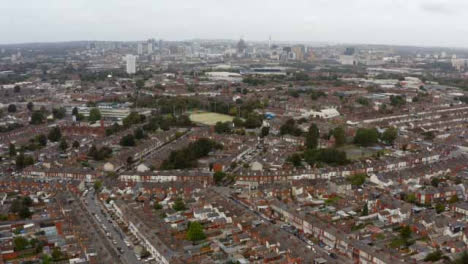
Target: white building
131 64
140 48
150 48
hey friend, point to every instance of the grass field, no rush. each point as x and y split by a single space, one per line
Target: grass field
208 118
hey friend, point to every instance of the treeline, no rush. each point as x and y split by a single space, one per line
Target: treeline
187 157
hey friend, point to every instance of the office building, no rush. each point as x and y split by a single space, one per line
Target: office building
131 64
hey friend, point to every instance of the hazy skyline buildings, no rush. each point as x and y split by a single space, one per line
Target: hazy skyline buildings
417 22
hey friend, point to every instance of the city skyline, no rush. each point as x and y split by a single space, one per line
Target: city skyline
391 22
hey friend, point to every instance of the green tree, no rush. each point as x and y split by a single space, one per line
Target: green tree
63 145
264 132
434 256
55 134
340 136
397 101
295 159
37 117
219 176
57 254
439 208
75 111
97 185
312 137
59 113
365 210
157 205
11 108
390 135
139 134
357 179
405 233
94 115
41 139
435 182
12 150
75 144
20 243
289 127
127 141
20 164
366 137
462 259
223 127
195 232
179 205
30 106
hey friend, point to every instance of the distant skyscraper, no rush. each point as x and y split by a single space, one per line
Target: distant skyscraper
131 63
150 47
349 51
140 48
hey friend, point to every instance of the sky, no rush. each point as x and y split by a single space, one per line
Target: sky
399 22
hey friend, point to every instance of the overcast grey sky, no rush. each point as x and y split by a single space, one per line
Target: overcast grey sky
413 22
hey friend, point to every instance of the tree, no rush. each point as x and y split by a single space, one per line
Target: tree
16 89
462 259
312 137
139 134
63 145
397 101
179 205
264 132
59 113
390 135
11 108
127 141
129 161
75 111
357 179
30 106
12 150
157 205
97 185
365 210
20 243
223 127
219 176
340 136
57 254
295 159
75 144
434 256
366 137
37 118
132 119
439 208
195 232
238 122
289 127
405 233
435 182
41 139
54 134
20 164
94 115
453 199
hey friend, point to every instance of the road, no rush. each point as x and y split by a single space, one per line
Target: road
93 206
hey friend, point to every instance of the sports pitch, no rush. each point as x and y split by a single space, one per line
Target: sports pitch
208 118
